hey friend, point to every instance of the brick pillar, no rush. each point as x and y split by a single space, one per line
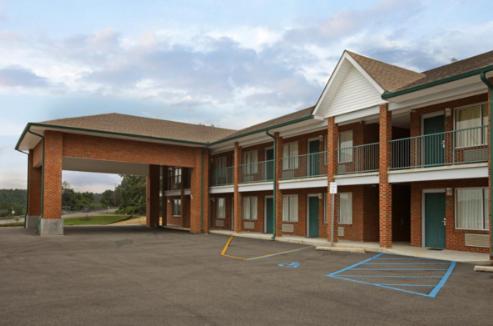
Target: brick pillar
152 196
331 171
385 188
34 187
205 190
164 200
199 202
278 171
51 222
236 195
490 166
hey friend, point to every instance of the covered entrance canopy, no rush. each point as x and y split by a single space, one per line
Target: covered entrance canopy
114 143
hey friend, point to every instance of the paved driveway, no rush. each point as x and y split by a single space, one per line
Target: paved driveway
134 276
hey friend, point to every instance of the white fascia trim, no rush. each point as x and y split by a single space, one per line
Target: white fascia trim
257 186
455 172
357 179
173 193
318 182
221 189
358 115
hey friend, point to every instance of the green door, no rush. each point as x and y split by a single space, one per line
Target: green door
313 158
269 164
313 214
433 140
269 215
434 218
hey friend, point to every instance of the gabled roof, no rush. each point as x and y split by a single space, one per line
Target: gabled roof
297 116
140 126
448 71
388 76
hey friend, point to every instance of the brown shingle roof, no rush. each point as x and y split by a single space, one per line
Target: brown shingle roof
454 68
147 127
388 76
300 114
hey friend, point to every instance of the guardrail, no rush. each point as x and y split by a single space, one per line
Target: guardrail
304 166
358 159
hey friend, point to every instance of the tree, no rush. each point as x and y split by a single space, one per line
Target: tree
132 194
108 198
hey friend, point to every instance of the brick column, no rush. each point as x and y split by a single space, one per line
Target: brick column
278 171
51 222
205 190
33 192
490 166
385 188
152 196
331 170
198 204
164 200
236 195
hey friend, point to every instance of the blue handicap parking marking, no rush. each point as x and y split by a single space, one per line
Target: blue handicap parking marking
292 265
417 276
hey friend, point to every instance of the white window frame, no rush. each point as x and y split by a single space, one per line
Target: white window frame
484 209
347 157
250 208
290 159
290 208
250 162
220 213
484 132
175 205
345 220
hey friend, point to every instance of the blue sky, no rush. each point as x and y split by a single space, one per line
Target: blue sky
204 61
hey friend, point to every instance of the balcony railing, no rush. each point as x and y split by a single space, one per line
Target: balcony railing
257 172
304 166
358 159
439 149
222 176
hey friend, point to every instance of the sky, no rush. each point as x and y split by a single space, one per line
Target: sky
204 61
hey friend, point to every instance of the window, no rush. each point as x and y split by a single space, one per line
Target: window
290 156
177 207
250 161
290 208
470 123
346 146
471 208
175 175
250 208
346 208
220 169
221 208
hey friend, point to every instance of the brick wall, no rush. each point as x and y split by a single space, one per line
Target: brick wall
227 221
454 238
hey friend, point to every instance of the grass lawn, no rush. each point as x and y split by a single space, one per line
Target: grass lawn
96 220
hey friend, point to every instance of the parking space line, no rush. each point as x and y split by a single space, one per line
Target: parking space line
279 253
409 267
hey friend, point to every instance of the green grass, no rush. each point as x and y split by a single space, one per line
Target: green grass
96 220
12 224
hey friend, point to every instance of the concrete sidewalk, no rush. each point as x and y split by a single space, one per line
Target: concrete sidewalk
361 247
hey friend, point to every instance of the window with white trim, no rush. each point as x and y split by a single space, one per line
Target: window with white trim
470 125
346 146
250 161
290 156
221 208
471 209
250 208
346 208
290 208
220 166
176 207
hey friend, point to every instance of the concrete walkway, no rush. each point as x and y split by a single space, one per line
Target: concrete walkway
356 246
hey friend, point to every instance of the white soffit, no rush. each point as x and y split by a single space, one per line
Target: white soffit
438 94
349 89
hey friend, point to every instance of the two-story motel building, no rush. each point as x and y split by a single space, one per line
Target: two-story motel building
409 152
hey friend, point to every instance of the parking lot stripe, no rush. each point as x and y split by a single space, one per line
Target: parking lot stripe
226 246
399 269
355 265
395 276
444 279
279 253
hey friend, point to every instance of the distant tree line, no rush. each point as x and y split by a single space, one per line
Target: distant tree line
128 197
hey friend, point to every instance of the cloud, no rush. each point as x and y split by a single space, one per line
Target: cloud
15 76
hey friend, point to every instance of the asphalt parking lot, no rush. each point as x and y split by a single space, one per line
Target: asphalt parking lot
136 276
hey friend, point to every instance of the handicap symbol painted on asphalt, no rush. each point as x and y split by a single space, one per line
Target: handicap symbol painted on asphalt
291 265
